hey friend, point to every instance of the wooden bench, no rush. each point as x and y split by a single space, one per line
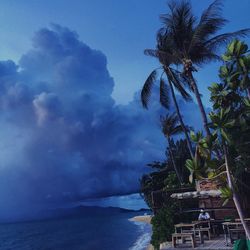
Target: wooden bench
203 227
201 232
236 233
183 236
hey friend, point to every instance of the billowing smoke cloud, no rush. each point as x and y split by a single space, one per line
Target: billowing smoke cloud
62 136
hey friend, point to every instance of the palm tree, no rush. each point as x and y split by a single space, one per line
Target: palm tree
170 128
235 195
173 81
185 41
221 123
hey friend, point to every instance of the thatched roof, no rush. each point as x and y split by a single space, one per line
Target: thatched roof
196 194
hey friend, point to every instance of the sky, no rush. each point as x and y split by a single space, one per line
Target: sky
72 126
120 29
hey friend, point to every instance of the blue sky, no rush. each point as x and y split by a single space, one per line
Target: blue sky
120 29
70 108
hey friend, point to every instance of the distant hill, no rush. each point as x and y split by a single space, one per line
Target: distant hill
79 211
95 210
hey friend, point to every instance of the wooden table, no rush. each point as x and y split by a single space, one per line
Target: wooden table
202 222
246 219
189 227
226 228
183 236
182 226
203 226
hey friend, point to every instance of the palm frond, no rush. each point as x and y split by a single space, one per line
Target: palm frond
151 52
175 79
170 125
180 13
211 19
210 22
177 130
181 36
164 97
213 10
182 78
206 57
212 16
147 88
217 41
178 23
163 56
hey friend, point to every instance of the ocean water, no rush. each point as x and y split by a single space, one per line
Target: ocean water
90 229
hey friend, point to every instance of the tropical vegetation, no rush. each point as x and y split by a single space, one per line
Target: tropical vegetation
230 124
163 178
224 151
170 128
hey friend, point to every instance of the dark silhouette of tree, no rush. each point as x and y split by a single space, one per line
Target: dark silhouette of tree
185 40
170 128
174 81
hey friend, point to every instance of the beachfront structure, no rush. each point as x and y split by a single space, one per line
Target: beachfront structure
205 195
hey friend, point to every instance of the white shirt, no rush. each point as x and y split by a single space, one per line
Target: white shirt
204 216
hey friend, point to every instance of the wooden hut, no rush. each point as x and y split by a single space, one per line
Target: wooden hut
209 198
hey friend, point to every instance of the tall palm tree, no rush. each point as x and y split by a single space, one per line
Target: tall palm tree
170 127
235 195
183 40
222 123
174 81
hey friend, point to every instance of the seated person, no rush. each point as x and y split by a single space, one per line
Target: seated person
204 215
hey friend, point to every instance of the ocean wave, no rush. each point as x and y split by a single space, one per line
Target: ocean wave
143 240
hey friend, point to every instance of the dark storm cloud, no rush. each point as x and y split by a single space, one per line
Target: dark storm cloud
62 136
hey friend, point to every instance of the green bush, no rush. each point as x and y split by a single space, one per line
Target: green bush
163 225
171 181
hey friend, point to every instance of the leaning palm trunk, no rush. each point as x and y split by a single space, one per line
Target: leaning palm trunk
180 117
248 93
200 104
245 76
235 196
173 161
201 107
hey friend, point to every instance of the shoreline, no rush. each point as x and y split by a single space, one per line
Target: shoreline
144 219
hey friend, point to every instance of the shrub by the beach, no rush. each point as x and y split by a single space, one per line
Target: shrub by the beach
171 181
163 225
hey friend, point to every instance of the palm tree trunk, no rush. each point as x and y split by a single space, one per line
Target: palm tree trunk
235 195
248 93
200 104
180 118
202 110
173 161
245 74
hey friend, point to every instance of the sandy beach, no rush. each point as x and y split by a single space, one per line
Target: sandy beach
150 247
144 219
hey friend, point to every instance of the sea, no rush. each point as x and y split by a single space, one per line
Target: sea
80 228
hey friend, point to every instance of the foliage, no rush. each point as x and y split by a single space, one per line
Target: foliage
152 182
230 122
226 194
171 181
164 178
181 154
159 177
168 74
157 165
183 39
188 41
170 125
163 224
